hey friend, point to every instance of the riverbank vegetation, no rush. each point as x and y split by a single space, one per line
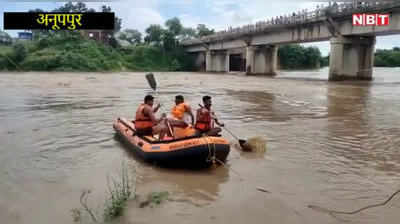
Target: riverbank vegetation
387 58
126 50
69 51
295 56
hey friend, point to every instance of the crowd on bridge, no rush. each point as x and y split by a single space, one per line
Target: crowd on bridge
302 16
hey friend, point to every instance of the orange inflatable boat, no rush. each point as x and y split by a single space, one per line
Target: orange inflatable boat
184 151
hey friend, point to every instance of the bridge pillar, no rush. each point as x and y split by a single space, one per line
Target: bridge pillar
227 61
262 60
351 58
217 61
250 59
208 61
200 61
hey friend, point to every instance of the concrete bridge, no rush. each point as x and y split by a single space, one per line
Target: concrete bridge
253 48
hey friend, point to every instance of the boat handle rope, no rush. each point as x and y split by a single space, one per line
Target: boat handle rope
213 158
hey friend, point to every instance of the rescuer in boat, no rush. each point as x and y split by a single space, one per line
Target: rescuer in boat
180 110
205 118
146 123
179 119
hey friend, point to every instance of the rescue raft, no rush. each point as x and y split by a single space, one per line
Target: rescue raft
187 151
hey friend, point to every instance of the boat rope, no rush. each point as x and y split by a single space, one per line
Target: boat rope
229 168
211 157
330 211
211 151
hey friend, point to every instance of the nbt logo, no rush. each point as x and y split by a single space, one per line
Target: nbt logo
370 19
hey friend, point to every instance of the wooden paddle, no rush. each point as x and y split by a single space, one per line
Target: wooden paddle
153 84
127 125
152 81
242 142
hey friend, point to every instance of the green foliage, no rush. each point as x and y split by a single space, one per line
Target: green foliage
5 38
19 52
299 57
70 7
325 61
120 191
154 34
117 21
387 58
157 197
69 51
187 33
131 35
174 26
168 40
5 49
119 194
202 30
81 7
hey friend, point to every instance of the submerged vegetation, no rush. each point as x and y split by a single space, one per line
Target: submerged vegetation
119 192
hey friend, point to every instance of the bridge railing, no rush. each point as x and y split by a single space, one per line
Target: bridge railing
299 17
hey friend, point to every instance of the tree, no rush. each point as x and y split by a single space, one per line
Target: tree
312 57
70 7
131 35
295 56
154 34
5 38
117 27
187 33
117 21
174 26
37 34
202 30
168 40
19 52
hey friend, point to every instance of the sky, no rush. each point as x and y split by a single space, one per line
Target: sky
217 14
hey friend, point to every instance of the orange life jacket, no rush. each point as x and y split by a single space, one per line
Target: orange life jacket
179 110
203 120
142 121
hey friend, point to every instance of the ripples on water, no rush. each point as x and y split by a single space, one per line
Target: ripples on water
338 141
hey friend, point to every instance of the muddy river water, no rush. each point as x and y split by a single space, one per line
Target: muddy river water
334 145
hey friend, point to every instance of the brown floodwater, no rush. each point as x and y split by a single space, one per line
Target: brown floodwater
334 145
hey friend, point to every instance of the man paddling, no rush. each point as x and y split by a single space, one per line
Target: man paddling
146 122
205 118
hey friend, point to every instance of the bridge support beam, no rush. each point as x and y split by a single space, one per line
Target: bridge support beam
208 61
351 58
200 61
261 60
217 61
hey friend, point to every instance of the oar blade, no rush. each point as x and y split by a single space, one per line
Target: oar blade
151 80
244 145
